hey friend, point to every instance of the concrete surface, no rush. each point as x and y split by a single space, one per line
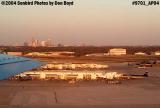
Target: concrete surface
139 93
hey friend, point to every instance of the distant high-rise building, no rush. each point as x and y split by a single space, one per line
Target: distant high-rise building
60 45
44 43
35 42
26 43
49 42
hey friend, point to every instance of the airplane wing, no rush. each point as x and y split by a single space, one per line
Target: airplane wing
13 65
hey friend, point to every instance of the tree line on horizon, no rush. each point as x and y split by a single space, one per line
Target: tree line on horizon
81 50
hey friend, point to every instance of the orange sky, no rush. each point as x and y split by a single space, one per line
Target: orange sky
90 22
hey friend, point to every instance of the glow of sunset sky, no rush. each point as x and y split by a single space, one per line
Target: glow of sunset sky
92 22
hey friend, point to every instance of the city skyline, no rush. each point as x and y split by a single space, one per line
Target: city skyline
89 22
36 42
